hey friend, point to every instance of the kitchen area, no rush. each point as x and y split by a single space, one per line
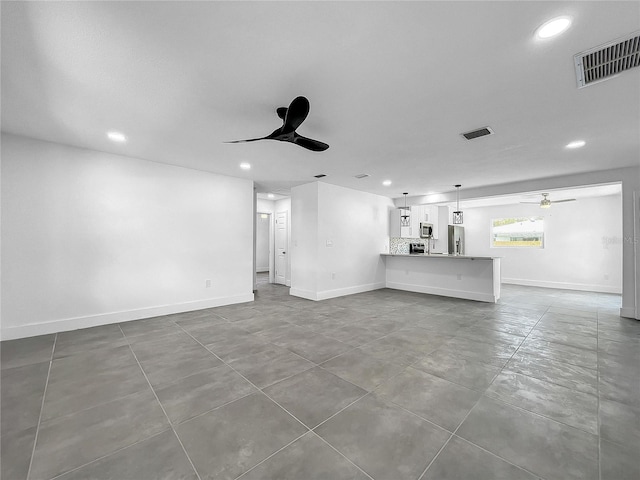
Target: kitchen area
427 255
345 241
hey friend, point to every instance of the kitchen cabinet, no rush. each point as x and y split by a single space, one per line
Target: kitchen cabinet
419 214
430 214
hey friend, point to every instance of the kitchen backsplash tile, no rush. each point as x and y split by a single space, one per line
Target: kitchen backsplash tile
399 245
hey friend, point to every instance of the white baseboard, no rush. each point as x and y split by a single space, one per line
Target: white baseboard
583 287
338 292
308 294
68 324
445 292
628 313
341 292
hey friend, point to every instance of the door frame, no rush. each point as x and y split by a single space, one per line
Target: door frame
287 247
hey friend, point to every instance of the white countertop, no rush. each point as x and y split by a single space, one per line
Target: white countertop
438 255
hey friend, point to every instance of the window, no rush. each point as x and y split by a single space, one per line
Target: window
517 232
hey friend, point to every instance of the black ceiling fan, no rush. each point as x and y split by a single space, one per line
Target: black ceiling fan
292 117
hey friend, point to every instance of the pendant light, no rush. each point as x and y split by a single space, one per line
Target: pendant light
405 217
457 215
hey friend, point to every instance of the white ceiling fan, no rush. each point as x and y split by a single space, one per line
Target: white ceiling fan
546 203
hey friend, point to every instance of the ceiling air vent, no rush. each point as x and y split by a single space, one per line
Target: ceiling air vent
362 175
608 60
320 176
480 132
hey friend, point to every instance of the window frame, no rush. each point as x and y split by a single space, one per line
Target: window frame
518 220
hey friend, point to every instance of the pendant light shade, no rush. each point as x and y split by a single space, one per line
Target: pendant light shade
457 215
405 217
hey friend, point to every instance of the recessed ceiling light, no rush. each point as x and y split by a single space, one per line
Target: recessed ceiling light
270 195
386 183
116 137
576 144
245 166
553 27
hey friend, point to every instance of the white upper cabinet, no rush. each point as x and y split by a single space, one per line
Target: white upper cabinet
419 214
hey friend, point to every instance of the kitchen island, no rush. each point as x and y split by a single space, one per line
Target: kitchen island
459 276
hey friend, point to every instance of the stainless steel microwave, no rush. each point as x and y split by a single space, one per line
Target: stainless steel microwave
426 230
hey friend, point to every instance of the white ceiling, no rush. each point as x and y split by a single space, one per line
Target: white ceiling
391 86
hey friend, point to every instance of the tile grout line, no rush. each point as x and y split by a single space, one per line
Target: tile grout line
44 394
340 411
342 455
538 476
452 434
424 472
60 475
272 455
161 406
539 414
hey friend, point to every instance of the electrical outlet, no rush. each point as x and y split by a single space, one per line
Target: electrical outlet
459 276
333 275
207 283
329 243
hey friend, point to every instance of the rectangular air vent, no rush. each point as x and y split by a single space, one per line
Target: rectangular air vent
480 132
320 176
362 175
608 60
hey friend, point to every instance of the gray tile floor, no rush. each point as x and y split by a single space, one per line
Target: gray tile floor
384 385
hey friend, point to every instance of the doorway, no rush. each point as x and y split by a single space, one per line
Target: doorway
264 260
281 250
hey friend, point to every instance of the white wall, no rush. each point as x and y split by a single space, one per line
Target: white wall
304 240
265 206
343 257
582 244
90 238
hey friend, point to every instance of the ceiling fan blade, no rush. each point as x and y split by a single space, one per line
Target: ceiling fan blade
247 140
309 143
295 115
282 112
567 200
532 203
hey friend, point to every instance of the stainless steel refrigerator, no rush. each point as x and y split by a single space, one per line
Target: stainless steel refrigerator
456 240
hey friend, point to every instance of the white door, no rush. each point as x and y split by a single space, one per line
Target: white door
281 247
